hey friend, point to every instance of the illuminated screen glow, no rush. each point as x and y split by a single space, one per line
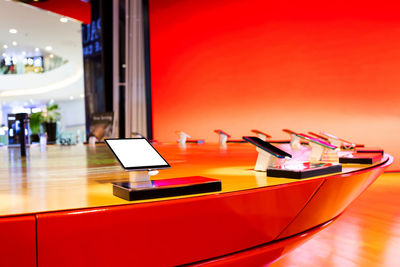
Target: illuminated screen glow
136 154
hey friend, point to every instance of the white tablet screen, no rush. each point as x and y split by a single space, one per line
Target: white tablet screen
136 153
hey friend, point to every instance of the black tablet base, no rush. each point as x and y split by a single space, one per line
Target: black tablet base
311 171
361 158
165 188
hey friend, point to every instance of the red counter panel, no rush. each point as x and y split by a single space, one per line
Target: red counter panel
262 255
18 241
170 233
334 195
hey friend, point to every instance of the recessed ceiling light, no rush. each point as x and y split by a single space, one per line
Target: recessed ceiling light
5 46
23 53
14 43
36 49
13 31
71 98
4 54
64 20
51 55
48 48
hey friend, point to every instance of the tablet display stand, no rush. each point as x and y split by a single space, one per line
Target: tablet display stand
142 160
140 186
141 176
136 135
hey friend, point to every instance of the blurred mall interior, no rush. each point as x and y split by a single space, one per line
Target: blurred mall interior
41 66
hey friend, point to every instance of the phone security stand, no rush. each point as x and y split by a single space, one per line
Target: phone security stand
265 160
268 155
318 147
223 138
317 151
295 141
334 141
261 135
183 137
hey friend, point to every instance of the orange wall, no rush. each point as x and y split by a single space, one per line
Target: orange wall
303 65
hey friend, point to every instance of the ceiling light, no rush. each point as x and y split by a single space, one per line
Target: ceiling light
81 95
64 20
71 98
14 43
48 48
51 56
37 49
13 31
5 46
4 54
23 53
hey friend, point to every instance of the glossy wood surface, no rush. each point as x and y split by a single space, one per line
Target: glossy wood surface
62 178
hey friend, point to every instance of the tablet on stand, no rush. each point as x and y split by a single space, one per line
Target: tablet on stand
142 160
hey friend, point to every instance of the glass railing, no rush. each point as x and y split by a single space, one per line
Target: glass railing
29 64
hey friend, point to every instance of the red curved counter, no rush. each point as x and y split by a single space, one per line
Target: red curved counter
253 224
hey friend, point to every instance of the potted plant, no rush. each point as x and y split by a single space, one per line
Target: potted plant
36 120
50 117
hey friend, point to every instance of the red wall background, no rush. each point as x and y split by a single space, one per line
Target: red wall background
304 65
